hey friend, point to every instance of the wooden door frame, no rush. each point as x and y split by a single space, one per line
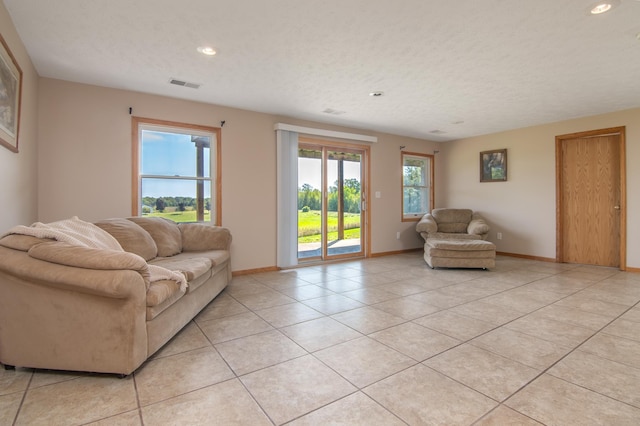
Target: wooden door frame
623 189
365 234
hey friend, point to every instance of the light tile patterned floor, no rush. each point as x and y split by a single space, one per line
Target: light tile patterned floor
384 341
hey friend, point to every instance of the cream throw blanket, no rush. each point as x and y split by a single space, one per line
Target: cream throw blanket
84 234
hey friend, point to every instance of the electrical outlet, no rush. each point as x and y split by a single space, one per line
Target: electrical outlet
499 235
398 235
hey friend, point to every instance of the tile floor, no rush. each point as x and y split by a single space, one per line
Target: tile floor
384 341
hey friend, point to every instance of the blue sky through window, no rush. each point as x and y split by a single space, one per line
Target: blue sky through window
170 154
309 171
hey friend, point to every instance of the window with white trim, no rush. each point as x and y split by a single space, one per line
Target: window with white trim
417 185
176 171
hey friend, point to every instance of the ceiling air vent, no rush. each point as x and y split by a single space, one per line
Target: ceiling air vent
333 111
184 83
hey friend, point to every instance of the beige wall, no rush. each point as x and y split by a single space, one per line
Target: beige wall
85 165
18 172
75 159
524 207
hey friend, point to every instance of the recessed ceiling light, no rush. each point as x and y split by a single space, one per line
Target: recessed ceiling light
207 50
603 6
376 94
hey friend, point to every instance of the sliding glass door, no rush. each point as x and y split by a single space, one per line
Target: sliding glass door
331 202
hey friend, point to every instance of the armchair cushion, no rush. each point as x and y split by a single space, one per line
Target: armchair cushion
477 226
460 245
450 236
452 220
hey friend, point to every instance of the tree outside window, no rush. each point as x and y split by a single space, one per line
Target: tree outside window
417 185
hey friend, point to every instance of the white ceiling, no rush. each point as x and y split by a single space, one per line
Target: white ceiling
493 64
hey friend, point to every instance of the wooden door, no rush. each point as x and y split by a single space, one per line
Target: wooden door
591 198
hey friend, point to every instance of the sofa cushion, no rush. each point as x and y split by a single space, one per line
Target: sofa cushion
192 268
217 257
159 291
131 236
201 237
164 232
160 296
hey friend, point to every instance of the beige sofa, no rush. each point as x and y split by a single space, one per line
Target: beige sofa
455 238
68 307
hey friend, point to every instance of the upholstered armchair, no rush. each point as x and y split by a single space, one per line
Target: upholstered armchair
455 238
445 224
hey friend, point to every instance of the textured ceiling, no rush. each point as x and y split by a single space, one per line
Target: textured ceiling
493 64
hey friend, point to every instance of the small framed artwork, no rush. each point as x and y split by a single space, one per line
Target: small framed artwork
10 97
493 166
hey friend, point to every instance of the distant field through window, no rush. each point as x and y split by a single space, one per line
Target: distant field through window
176 171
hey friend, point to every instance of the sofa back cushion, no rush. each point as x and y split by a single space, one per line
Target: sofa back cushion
164 232
132 237
452 220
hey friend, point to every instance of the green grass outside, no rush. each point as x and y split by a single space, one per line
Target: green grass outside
309 226
332 236
309 223
171 213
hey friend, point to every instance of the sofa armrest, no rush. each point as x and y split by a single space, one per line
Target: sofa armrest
427 224
201 237
119 283
61 317
477 225
87 257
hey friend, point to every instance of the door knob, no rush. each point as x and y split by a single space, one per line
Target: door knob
616 207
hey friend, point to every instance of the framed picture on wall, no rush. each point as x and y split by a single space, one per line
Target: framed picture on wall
493 166
10 97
